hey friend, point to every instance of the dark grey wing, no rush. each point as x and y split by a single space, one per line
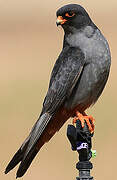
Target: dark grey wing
68 72
69 68
65 75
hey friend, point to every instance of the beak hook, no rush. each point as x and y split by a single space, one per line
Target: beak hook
60 20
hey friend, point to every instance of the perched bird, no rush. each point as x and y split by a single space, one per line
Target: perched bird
77 80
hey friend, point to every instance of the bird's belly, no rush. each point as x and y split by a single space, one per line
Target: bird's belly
88 87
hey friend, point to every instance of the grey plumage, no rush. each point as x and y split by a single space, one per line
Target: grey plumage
77 80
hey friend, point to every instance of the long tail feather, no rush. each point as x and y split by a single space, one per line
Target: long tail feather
30 147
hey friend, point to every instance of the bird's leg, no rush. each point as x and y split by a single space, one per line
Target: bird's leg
85 118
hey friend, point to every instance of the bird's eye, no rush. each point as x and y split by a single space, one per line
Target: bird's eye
70 14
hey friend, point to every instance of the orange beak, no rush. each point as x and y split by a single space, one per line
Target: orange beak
60 20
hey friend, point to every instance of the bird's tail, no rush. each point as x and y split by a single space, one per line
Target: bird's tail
29 148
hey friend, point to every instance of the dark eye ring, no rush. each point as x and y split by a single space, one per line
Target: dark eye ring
69 14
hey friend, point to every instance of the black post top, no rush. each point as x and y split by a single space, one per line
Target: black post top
81 141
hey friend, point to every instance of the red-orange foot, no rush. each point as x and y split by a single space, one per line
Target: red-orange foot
84 118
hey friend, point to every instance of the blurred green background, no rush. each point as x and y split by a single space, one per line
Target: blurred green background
29 45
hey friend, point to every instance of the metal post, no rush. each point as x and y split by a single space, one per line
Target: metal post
80 139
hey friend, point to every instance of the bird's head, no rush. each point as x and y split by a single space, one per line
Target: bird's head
72 16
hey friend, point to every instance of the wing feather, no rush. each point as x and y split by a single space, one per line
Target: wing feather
68 72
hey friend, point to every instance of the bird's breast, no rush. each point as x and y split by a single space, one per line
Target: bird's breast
95 72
